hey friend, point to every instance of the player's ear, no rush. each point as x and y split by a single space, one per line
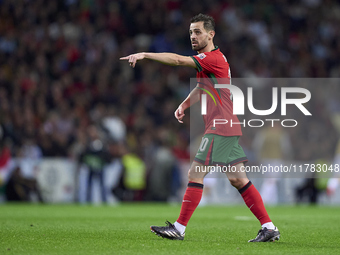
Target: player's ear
211 34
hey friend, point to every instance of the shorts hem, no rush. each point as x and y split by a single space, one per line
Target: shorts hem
232 163
199 161
237 161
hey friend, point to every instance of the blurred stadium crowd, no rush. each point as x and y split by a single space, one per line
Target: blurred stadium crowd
60 73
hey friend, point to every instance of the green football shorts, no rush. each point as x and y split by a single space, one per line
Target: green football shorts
220 150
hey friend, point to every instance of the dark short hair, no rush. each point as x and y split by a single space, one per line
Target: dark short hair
208 21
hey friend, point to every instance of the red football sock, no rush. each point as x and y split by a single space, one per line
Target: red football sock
191 199
253 200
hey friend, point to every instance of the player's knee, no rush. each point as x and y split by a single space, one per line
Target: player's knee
195 176
236 182
189 174
192 174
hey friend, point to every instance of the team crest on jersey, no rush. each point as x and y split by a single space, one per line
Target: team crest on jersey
201 55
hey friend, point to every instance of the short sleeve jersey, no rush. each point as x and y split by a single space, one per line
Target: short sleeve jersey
212 68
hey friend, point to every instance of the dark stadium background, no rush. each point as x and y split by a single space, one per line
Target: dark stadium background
60 73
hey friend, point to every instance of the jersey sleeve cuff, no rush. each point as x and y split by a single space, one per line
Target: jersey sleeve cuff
198 65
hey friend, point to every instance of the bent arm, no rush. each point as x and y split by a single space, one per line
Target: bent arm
191 99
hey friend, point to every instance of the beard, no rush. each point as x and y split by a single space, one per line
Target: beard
198 47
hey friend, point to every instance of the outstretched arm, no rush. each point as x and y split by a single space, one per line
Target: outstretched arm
164 58
192 99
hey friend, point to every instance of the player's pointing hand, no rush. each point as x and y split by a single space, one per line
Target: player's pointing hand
132 59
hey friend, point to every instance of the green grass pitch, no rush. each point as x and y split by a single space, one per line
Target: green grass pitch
124 229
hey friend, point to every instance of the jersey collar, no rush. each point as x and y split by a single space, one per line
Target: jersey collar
216 48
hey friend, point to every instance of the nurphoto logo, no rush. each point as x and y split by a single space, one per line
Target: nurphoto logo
238 100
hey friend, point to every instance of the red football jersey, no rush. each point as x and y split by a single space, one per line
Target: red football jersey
212 68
